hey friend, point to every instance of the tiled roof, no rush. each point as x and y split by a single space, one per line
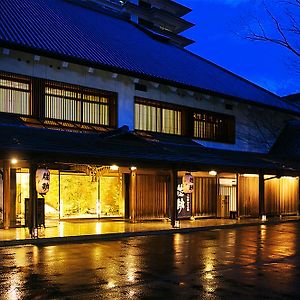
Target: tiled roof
72 32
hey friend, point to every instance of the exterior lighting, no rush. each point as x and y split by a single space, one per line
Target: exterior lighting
114 168
14 161
250 175
133 168
212 173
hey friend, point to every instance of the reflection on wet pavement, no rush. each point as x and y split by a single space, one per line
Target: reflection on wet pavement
244 263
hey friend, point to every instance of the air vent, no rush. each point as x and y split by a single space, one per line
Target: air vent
229 106
140 87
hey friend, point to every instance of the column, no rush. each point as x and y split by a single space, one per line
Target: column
6 194
261 196
32 200
237 197
173 196
132 195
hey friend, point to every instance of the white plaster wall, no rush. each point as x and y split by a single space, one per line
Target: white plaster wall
256 128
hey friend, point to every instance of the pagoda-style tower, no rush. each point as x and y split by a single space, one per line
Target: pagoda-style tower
161 17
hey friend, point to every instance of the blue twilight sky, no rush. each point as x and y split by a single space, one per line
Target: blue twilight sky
217 24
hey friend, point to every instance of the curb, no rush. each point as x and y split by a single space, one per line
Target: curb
123 235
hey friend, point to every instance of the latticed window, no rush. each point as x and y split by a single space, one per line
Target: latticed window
15 94
73 103
214 127
156 118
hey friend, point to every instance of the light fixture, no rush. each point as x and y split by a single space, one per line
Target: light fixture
6 51
65 64
91 70
114 168
133 168
212 173
14 161
250 175
36 58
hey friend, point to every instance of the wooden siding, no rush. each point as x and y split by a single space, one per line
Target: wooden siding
204 201
248 196
281 196
151 196
231 192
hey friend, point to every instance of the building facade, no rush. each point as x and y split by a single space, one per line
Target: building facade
120 116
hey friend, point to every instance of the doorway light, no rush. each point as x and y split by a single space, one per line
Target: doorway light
114 168
212 173
13 161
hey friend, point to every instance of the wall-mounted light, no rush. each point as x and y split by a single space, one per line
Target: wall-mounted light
133 168
65 64
91 70
155 84
13 161
6 51
212 173
114 168
36 58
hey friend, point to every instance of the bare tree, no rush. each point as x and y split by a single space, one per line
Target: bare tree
277 22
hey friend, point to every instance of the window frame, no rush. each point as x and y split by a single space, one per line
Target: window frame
228 136
220 137
18 79
158 105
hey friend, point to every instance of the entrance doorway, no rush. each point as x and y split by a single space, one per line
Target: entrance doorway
74 195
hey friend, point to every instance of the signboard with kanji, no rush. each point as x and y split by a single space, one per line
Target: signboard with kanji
184 202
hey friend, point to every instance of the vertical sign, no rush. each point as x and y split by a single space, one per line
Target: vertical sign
184 202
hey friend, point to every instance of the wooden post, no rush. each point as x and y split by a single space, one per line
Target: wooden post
6 194
132 193
13 197
298 196
261 196
237 197
32 201
173 196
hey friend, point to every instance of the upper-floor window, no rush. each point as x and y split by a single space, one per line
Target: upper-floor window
15 94
73 103
151 116
214 127
199 124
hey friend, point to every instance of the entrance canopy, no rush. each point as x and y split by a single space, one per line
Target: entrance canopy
124 147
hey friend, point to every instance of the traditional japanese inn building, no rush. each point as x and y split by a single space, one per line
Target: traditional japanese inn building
105 97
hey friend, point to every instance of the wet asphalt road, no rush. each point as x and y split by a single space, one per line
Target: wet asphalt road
255 262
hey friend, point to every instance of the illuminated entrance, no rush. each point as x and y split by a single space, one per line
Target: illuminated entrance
75 195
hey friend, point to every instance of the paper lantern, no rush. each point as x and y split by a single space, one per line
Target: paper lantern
42 179
187 183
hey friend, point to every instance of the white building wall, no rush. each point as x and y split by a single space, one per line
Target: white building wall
256 128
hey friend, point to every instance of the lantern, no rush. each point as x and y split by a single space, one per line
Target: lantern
42 179
187 183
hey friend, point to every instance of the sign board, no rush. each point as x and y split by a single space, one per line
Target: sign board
184 203
227 181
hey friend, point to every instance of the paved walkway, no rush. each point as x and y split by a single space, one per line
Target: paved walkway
84 230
